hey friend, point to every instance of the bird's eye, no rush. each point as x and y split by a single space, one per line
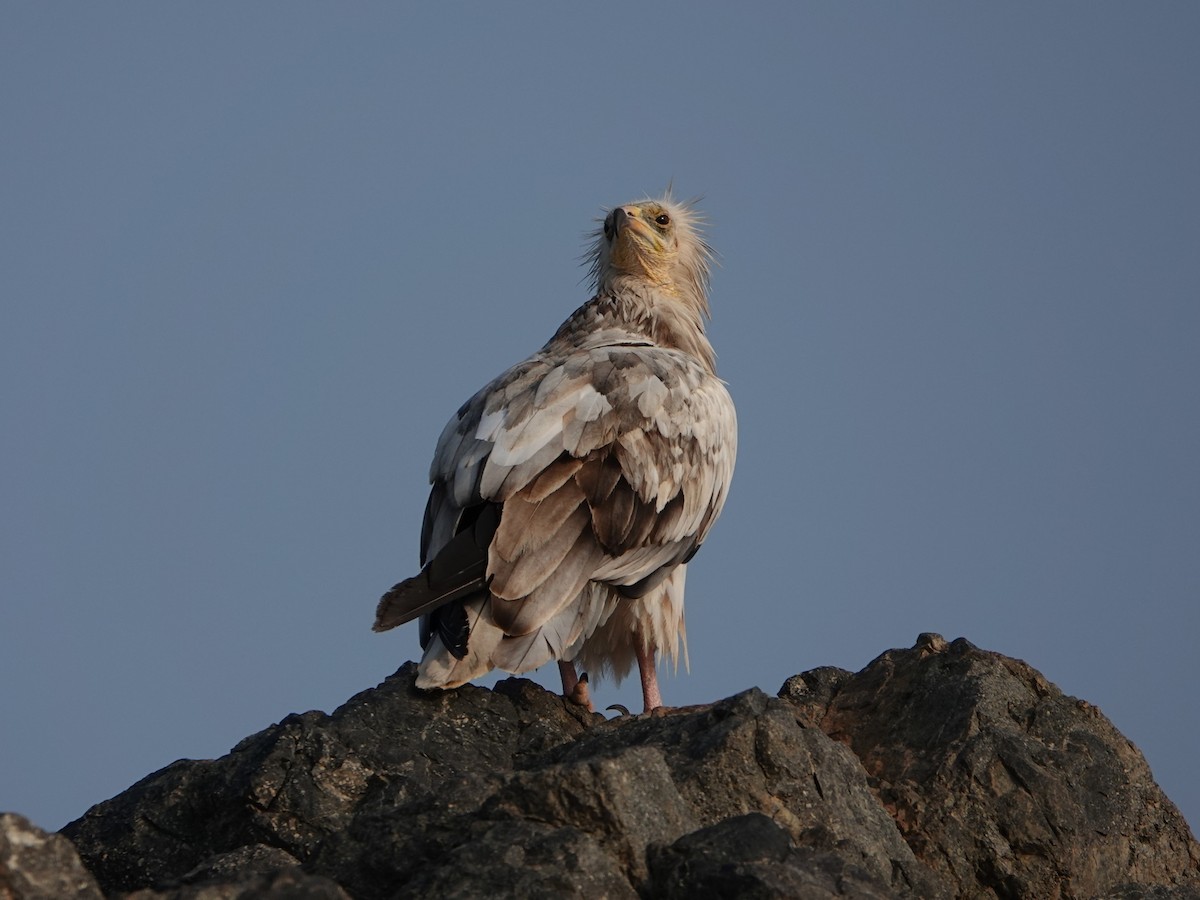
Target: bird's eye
663 219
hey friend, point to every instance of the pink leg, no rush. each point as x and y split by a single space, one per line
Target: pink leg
650 693
566 671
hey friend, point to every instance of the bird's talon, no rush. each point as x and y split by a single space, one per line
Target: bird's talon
618 708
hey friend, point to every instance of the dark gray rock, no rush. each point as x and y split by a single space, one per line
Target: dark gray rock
307 778
751 857
813 691
750 753
248 873
253 859
623 785
288 884
1003 784
936 772
520 859
35 865
625 801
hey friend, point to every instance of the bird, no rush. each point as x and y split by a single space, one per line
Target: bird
571 491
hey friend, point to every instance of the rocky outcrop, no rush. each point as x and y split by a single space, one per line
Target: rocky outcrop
938 771
998 780
36 864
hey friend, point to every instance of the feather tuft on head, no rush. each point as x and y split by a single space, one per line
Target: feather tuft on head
657 243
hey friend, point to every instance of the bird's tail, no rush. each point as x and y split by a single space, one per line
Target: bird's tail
458 570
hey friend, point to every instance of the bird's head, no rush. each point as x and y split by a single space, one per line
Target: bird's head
657 243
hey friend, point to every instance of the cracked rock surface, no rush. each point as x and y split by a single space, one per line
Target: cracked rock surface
938 771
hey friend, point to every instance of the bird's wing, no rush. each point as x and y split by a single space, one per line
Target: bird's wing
620 454
609 464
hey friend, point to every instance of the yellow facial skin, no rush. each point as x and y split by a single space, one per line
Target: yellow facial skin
643 242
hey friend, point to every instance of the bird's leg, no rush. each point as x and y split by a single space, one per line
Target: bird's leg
566 671
650 693
575 687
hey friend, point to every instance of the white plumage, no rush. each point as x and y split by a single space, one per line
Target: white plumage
570 492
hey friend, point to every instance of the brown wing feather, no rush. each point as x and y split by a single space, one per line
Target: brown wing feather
598 477
553 477
561 586
613 517
545 551
527 524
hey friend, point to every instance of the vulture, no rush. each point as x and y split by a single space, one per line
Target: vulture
570 492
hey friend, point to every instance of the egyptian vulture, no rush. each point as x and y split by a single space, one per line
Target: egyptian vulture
570 492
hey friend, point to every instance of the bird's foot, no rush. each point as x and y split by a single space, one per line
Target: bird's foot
580 694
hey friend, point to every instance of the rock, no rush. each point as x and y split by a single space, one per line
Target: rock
811 692
288 884
311 776
622 786
751 754
253 859
248 872
751 857
35 865
1003 784
522 859
1153 892
626 801
935 772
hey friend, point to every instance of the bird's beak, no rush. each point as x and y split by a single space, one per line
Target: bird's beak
617 221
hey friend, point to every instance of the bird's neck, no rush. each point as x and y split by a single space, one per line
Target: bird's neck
664 317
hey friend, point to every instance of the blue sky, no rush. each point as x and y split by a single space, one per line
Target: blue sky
254 255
